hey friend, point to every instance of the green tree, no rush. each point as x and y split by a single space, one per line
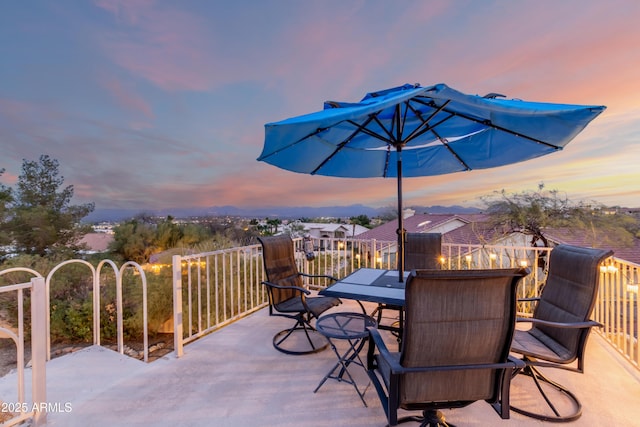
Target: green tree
272 226
6 197
192 234
134 240
168 234
42 219
361 220
139 238
389 213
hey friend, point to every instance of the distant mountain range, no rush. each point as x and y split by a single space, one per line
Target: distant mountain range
114 215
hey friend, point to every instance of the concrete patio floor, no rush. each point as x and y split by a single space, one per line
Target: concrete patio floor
234 377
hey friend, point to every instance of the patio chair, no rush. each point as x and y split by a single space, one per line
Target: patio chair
421 251
560 324
288 296
455 346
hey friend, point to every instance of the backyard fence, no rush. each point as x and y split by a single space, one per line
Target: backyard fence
23 408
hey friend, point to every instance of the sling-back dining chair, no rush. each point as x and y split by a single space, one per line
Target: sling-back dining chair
289 298
560 325
421 251
455 346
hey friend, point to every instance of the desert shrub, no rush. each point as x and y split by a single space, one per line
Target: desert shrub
159 302
71 321
71 300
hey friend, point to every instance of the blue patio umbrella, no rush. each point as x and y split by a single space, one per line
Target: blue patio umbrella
412 131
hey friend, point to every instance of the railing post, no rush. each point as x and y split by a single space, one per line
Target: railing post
177 305
39 349
96 306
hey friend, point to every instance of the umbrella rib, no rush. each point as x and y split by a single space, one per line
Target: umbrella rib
488 123
359 128
451 150
399 122
425 126
266 156
386 162
430 128
371 133
363 128
484 122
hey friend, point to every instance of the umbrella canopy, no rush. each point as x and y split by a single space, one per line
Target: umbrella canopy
416 131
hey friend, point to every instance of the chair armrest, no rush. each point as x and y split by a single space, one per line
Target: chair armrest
519 363
375 340
319 276
297 288
510 363
571 325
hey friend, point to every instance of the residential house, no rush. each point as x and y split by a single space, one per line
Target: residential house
96 242
474 230
321 230
459 229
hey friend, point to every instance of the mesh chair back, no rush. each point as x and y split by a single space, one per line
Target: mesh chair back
280 266
457 318
422 251
569 295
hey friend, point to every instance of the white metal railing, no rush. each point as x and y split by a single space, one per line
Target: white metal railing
339 258
213 289
216 288
23 408
617 307
40 289
96 273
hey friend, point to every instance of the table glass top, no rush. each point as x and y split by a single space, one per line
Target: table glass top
368 284
373 277
345 325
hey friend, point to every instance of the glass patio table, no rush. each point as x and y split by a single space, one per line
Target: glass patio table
372 285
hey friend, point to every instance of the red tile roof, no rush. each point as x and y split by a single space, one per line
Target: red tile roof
475 230
630 252
98 242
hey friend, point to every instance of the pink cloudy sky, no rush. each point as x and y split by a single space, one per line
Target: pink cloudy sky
157 104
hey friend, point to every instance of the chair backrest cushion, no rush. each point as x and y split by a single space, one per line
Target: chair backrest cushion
422 251
280 266
569 295
457 318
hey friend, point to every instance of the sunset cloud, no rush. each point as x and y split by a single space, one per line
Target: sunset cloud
127 98
150 103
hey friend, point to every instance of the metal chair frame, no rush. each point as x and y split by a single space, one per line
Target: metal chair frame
436 298
288 298
557 314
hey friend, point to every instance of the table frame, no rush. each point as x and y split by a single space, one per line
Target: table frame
372 285
338 326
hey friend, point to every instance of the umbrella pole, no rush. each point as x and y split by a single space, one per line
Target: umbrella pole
400 231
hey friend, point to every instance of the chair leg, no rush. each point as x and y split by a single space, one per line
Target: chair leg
429 418
396 327
538 377
304 326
